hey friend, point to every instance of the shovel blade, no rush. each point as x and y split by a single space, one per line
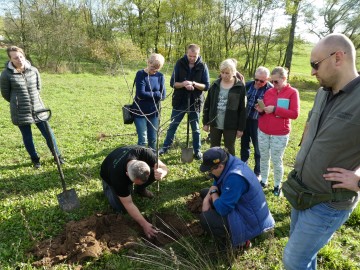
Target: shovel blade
68 200
187 155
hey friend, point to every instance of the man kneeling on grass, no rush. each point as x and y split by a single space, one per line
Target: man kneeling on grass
235 204
124 167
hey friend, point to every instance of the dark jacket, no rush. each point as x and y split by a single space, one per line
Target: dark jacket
199 73
251 215
235 115
22 90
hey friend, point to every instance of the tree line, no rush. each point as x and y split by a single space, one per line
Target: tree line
54 32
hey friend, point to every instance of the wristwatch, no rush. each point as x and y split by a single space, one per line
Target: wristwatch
213 191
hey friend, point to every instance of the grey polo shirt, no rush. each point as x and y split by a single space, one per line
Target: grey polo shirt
332 139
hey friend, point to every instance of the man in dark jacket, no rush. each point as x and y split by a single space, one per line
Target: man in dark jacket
121 170
235 204
189 79
21 85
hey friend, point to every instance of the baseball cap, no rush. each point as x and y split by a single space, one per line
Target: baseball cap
212 157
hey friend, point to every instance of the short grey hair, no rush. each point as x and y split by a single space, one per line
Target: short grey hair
138 170
263 70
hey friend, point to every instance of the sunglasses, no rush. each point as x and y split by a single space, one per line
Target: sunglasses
315 65
257 80
274 82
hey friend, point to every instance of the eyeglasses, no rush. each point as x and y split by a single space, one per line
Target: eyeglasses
315 65
258 80
274 82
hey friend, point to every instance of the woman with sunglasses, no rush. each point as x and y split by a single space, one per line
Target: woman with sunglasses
281 105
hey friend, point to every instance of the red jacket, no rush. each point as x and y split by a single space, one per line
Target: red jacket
279 123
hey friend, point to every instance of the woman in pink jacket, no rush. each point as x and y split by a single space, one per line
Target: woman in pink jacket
280 105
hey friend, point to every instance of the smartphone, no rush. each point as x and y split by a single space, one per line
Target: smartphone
261 104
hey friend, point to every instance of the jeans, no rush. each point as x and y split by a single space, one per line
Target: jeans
251 134
274 147
176 118
146 129
29 143
229 138
310 230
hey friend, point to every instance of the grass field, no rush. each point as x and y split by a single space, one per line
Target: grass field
85 106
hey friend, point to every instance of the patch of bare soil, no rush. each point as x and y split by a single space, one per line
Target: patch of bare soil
91 237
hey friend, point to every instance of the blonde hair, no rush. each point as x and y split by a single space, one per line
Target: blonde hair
157 60
283 73
228 64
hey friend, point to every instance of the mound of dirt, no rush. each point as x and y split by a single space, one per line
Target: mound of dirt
194 203
92 236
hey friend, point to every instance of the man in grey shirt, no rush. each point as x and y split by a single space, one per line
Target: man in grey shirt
330 151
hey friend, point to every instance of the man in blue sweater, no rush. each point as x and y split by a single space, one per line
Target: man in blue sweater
235 204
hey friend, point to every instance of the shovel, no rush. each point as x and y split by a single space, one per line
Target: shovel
68 199
187 154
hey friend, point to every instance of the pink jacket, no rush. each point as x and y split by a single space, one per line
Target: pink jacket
287 104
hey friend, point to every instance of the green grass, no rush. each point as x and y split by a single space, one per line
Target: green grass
85 105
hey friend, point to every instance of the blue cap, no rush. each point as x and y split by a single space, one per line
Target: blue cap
212 157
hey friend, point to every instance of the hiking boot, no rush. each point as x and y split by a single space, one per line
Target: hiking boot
162 151
277 191
145 193
198 155
263 184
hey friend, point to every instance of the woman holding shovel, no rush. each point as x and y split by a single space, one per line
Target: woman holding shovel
20 86
224 112
150 89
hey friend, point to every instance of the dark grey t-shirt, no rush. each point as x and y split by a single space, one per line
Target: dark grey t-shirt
333 143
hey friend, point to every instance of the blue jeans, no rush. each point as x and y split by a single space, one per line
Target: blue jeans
251 134
176 118
146 129
310 230
29 143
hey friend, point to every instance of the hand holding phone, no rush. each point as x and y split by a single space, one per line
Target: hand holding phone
261 104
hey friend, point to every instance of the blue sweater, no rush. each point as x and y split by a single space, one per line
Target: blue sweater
150 89
249 215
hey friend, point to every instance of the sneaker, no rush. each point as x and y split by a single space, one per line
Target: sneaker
61 159
162 151
36 163
277 191
263 184
198 155
145 193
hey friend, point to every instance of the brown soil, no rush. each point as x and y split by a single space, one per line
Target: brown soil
91 237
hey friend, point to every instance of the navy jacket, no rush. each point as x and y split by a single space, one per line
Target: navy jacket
199 73
251 215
